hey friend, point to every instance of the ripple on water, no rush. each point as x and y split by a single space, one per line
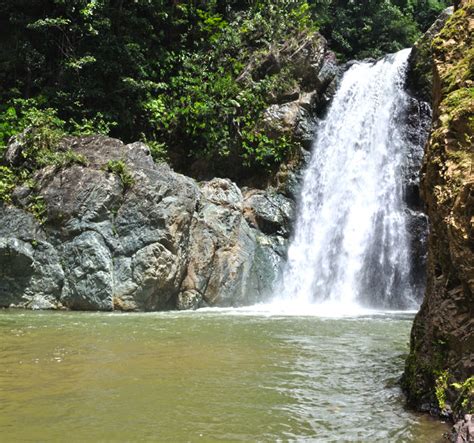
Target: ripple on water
209 375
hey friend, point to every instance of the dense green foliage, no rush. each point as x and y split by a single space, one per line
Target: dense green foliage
41 133
371 28
170 72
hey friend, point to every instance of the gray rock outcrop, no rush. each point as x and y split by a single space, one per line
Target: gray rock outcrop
162 242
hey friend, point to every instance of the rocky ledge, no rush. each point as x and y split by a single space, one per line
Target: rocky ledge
119 232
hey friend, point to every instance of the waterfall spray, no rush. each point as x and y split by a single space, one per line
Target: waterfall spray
351 245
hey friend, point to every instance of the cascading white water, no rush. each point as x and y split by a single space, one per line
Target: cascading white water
350 245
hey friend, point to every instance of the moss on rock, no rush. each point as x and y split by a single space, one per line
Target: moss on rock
442 339
420 74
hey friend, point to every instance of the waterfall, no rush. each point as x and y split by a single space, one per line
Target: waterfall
350 245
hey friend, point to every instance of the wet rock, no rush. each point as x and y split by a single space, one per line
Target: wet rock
189 300
328 71
289 177
268 259
418 229
418 123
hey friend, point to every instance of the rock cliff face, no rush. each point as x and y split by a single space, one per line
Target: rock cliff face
141 238
420 75
439 369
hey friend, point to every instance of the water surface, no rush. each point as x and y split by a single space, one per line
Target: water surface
204 376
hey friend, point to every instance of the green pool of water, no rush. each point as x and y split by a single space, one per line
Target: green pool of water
204 376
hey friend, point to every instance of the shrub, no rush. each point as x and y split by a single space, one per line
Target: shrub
7 183
119 167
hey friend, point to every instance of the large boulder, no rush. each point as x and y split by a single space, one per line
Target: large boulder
233 260
121 232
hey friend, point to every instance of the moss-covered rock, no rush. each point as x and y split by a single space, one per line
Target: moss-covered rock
420 73
442 341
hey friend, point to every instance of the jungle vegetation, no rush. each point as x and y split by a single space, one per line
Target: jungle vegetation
166 71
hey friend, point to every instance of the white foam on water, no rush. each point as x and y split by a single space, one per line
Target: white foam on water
350 249
320 310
